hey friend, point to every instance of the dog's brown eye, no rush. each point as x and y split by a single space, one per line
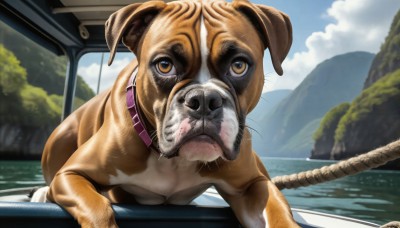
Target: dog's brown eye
165 67
238 68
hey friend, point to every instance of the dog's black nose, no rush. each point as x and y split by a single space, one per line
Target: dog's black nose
203 103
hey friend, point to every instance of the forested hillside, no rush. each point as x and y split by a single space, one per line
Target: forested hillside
388 59
31 88
44 69
373 118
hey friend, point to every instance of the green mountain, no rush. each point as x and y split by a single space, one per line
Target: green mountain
373 118
370 121
324 137
388 59
266 104
300 142
288 129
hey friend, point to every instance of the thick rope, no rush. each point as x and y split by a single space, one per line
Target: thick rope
393 224
344 168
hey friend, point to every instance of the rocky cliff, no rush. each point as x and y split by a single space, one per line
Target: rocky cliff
22 142
324 137
388 59
373 118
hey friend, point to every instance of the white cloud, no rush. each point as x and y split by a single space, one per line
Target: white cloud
359 25
109 74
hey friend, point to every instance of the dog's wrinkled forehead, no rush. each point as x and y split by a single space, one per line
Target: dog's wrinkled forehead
219 17
131 23
175 29
199 34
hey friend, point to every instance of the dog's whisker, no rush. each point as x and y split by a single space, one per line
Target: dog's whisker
216 163
254 130
200 167
208 165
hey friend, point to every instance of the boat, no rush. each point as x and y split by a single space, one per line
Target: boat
208 210
66 27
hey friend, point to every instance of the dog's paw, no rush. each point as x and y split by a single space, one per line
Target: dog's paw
40 195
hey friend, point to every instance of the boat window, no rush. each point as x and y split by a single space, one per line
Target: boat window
31 94
95 76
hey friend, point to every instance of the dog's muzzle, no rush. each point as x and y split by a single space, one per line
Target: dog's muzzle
201 124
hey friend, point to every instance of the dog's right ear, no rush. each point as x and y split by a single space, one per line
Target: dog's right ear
129 24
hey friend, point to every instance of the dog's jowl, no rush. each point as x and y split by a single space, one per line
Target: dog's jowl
173 124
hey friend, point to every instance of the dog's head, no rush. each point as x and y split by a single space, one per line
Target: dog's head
200 68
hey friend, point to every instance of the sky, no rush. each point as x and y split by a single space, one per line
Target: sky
321 29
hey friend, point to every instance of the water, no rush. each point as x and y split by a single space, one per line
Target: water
19 174
373 195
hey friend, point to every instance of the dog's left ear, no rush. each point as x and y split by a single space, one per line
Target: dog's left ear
275 29
129 24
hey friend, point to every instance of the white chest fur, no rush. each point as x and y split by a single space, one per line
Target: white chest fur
172 181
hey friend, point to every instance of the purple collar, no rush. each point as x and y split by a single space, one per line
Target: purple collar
138 124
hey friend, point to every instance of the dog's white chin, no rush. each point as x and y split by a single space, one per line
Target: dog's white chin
200 149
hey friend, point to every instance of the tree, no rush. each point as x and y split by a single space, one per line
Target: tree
12 75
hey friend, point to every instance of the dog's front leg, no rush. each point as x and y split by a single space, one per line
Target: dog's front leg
261 205
80 198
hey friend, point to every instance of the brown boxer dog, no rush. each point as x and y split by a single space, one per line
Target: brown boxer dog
198 73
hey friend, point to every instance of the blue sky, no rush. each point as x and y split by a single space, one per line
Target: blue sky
307 16
321 30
